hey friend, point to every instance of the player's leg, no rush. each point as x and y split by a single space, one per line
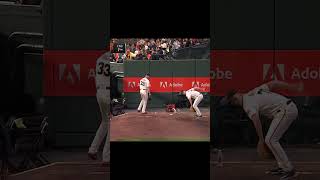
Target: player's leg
103 128
141 102
196 103
106 148
145 101
276 130
274 124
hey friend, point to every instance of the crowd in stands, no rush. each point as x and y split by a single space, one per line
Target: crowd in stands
151 49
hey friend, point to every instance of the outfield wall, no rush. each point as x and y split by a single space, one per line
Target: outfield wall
168 78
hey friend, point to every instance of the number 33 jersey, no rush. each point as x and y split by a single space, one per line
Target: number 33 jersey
144 84
103 71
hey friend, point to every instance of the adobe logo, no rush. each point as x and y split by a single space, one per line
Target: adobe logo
273 73
195 84
218 74
163 84
69 73
131 84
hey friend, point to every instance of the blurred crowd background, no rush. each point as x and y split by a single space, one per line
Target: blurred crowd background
152 49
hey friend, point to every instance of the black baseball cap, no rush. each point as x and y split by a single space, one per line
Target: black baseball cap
226 100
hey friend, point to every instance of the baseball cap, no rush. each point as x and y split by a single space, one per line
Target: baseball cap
226 100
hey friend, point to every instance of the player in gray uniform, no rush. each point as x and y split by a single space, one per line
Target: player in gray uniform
261 101
103 97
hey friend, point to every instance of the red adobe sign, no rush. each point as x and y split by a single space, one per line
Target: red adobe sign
168 84
70 73
244 70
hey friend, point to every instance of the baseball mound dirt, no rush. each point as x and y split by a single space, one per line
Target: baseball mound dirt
161 126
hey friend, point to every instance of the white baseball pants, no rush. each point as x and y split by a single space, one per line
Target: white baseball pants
144 101
103 98
278 127
196 103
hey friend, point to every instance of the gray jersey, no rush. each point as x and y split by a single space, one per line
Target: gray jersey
262 101
103 71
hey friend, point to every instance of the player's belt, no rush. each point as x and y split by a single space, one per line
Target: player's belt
143 89
289 101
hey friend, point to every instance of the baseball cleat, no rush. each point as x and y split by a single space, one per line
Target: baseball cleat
138 110
275 171
198 116
93 156
289 175
144 113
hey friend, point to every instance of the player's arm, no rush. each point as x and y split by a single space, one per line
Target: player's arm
280 85
190 101
257 124
189 98
148 88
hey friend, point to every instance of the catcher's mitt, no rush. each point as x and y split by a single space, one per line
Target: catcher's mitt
264 152
192 109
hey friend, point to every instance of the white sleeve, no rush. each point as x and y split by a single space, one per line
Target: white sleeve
188 95
251 109
252 112
255 90
264 87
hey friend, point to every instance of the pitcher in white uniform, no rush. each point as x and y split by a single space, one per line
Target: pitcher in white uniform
197 96
261 101
144 85
102 81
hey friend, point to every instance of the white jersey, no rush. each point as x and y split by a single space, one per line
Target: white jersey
262 101
103 72
144 84
191 93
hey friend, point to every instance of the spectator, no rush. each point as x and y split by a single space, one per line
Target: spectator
147 49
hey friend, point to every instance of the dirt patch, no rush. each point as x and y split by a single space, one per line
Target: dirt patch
162 126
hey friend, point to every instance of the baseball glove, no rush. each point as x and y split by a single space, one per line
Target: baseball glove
192 109
264 152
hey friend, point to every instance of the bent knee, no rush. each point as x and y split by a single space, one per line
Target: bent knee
269 140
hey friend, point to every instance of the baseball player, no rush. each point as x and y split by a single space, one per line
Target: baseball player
103 97
197 96
144 93
262 101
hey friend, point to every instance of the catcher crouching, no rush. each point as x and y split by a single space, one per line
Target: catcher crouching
263 101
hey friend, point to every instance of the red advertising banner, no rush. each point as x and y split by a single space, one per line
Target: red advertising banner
168 84
70 73
245 70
